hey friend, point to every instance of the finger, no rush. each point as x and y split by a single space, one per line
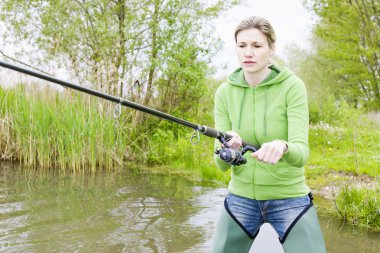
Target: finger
236 146
256 155
239 141
274 157
235 142
231 141
262 152
267 156
277 158
272 154
232 133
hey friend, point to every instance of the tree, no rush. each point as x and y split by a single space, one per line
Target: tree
349 33
111 43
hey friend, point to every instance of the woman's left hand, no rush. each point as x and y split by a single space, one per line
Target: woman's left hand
271 152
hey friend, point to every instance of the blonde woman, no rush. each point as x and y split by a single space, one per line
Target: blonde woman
266 105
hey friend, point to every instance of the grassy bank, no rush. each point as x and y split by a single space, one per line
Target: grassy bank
71 131
49 129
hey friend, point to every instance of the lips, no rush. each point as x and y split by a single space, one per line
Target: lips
249 63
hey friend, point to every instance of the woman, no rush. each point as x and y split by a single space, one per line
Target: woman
266 105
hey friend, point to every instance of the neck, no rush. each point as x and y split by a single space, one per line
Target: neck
253 79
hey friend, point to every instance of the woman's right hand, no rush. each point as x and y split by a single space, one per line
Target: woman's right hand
235 142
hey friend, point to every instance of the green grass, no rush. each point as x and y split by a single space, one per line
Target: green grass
49 129
347 158
353 149
184 157
360 206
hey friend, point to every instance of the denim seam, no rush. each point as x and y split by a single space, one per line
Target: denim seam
238 222
263 205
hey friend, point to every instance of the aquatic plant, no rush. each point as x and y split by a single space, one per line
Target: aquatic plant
360 206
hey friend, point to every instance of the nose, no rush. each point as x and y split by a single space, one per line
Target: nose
248 52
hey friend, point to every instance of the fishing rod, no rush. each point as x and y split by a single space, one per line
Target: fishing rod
234 157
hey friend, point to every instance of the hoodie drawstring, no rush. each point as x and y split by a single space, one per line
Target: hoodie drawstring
241 107
265 109
265 112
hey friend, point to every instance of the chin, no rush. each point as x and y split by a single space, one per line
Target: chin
254 69
250 69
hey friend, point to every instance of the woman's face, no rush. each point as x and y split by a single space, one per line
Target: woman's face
253 50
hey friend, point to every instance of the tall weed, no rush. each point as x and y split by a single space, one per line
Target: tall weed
51 129
360 206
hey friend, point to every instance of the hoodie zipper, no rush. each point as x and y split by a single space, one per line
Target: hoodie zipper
253 173
241 108
254 113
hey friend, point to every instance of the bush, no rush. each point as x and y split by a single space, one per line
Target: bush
334 112
360 206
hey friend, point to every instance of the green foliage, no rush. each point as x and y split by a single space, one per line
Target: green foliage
360 206
109 44
180 155
334 112
346 55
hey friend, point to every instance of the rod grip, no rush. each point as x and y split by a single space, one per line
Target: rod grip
211 132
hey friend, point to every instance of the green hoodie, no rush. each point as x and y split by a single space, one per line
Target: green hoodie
276 109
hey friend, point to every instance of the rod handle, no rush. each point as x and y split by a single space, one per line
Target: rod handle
211 132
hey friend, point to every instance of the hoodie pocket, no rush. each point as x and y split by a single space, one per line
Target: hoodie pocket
272 174
243 173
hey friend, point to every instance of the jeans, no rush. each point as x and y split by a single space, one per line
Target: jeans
280 213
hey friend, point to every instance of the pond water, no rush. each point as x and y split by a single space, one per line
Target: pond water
128 211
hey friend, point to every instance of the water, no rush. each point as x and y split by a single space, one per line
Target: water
127 211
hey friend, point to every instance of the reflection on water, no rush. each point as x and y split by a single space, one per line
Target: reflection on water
342 238
126 211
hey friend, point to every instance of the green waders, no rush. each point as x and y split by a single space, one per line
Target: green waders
304 235
230 237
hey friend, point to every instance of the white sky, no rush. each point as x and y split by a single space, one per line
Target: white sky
290 20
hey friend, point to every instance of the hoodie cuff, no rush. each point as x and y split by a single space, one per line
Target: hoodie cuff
222 165
289 155
296 155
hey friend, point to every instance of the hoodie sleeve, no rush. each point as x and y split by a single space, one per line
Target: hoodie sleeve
298 125
222 123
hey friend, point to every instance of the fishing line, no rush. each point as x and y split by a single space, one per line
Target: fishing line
205 130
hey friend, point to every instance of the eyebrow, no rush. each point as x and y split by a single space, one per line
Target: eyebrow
251 42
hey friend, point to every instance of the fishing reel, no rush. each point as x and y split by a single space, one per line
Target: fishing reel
231 156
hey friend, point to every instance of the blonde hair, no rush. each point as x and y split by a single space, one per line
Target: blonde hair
259 23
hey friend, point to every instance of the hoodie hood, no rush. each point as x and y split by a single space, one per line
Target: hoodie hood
237 77
277 75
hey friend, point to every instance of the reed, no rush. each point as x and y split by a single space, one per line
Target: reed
360 206
48 129
69 130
